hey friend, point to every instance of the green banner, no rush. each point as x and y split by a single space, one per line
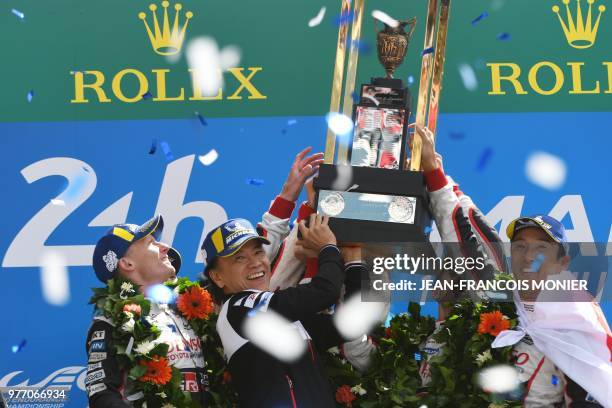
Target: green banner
95 60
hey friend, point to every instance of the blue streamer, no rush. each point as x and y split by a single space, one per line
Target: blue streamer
426 51
480 17
167 152
255 182
484 159
153 148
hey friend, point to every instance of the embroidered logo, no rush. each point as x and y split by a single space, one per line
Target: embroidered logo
111 261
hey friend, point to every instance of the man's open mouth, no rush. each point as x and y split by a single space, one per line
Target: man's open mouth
256 275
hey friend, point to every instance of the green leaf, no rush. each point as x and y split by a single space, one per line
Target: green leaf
137 371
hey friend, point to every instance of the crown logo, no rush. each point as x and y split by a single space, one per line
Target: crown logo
164 40
579 33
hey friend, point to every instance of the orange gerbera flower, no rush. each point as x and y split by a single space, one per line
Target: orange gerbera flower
158 371
493 323
195 303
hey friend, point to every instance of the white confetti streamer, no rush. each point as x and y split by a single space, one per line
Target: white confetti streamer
339 124
276 335
209 158
385 18
546 170
208 62
160 294
318 18
354 318
498 379
468 77
54 279
18 13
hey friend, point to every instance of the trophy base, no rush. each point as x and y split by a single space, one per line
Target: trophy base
382 205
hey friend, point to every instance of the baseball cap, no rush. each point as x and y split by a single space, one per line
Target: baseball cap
115 243
548 224
227 239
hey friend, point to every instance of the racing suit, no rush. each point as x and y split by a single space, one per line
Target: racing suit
459 220
109 387
262 380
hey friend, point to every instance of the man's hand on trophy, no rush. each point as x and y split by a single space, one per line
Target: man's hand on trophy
302 253
430 160
302 168
317 234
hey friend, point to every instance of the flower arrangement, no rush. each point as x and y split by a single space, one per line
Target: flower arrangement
393 378
145 359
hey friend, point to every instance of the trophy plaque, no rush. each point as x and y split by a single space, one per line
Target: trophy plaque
368 191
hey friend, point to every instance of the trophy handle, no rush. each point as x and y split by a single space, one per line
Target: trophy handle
412 25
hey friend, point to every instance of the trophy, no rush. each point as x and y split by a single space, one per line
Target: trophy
368 191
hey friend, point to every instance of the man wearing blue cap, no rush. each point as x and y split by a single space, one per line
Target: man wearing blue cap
539 250
135 253
239 272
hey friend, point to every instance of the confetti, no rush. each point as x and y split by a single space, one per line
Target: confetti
353 187
18 14
355 317
426 51
147 96
537 263
291 122
17 348
30 96
355 97
410 80
385 18
339 124
57 201
498 379
485 156
128 349
417 356
362 46
343 19
554 380
479 18
504 36
255 182
209 158
153 148
315 21
201 119
457 135
276 335
204 58
229 57
160 294
54 279
468 76
427 229
167 152
546 170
